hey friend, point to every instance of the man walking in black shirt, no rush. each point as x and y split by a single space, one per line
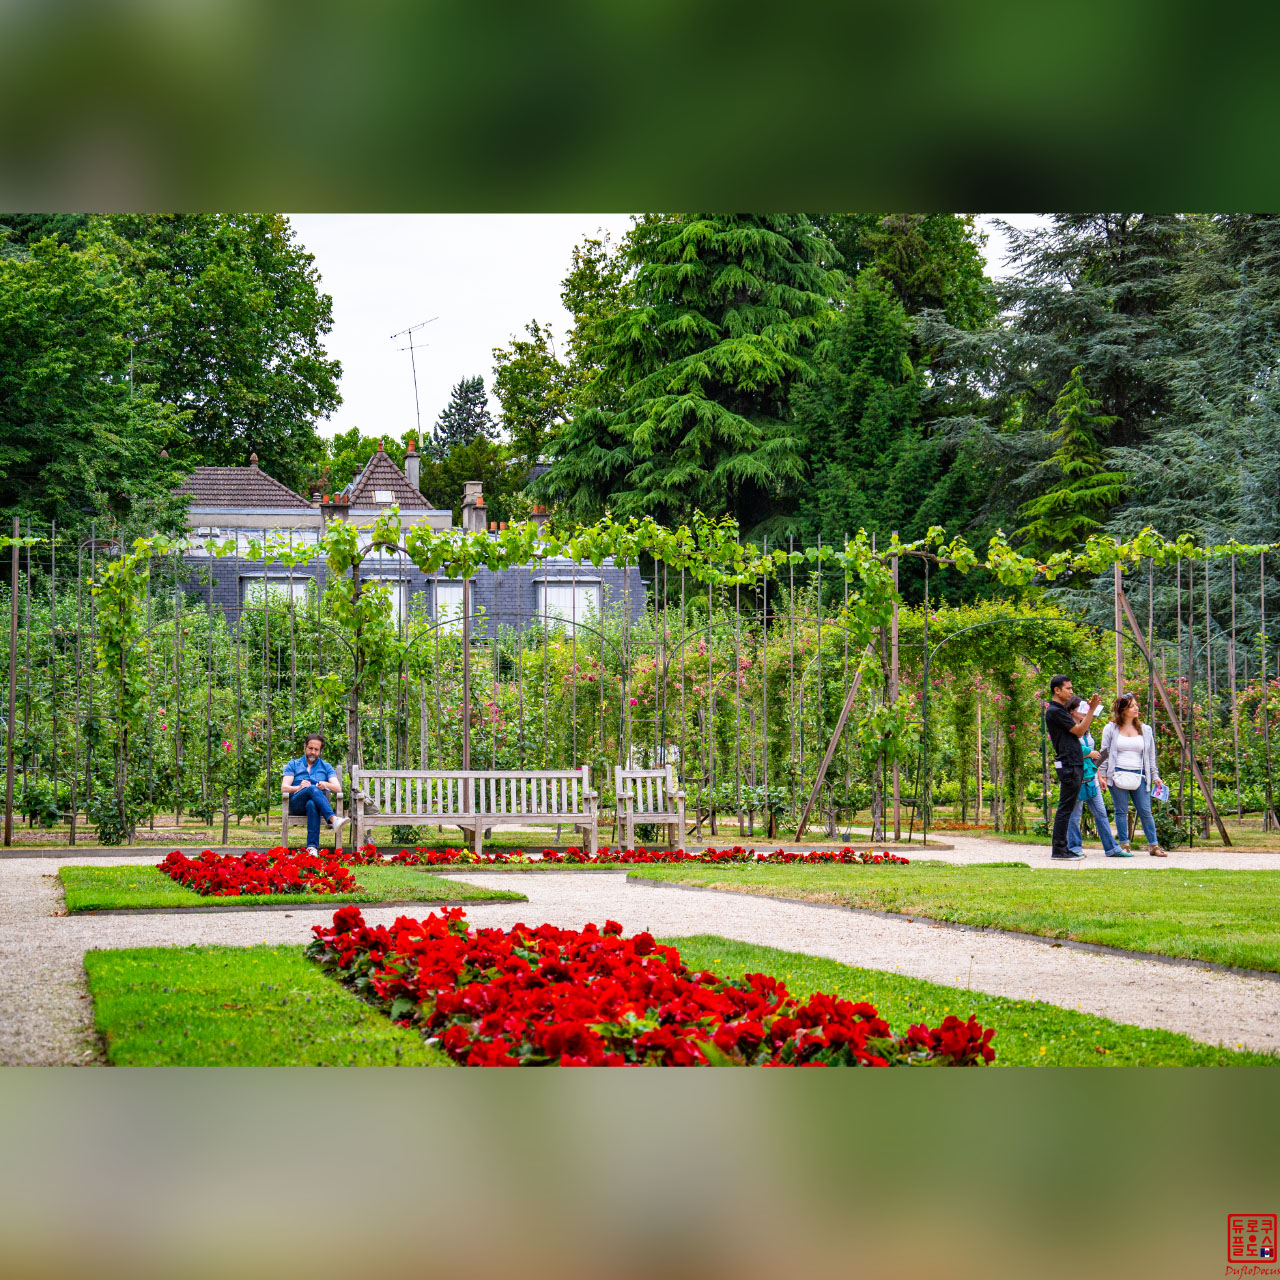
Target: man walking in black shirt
1065 734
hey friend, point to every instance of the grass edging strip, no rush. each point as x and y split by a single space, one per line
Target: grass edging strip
97 890
475 868
331 906
226 1006
1065 1037
1095 948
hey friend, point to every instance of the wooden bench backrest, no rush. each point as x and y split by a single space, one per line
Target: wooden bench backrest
653 789
396 792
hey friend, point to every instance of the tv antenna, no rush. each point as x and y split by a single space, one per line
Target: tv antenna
413 364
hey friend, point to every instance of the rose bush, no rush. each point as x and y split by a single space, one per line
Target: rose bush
277 871
544 996
574 856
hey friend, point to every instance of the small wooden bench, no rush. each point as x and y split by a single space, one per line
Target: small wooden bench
300 819
476 800
652 796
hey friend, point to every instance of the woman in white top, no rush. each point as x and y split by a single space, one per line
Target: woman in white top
1129 769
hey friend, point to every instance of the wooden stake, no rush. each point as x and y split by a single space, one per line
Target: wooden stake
977 813
835 739
893 698
764 696
1119 639
13 686
1231 680
1269 821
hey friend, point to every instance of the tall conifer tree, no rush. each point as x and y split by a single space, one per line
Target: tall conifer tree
464 418
1084 492
723 314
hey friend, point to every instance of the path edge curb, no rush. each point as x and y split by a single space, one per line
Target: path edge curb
336 905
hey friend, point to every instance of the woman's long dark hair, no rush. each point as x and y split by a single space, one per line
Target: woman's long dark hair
1120 706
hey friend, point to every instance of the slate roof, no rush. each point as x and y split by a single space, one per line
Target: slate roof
381 473
239 487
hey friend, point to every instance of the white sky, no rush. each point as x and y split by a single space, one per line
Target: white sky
484 275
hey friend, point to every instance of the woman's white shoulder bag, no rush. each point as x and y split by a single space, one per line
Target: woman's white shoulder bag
1130 779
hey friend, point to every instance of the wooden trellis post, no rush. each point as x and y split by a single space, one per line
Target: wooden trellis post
13 686
893 698
841 721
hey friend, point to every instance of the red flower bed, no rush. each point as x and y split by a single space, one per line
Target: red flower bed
619 857
528 997
277 871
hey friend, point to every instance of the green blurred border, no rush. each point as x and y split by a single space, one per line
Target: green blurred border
411 106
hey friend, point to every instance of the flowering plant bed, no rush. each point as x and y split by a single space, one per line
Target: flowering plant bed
147 888
543 996
279 870
574 856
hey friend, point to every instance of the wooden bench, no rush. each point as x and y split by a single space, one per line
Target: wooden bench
300 819
476 800
652 796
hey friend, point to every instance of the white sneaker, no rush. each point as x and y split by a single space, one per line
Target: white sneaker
313 851
338 824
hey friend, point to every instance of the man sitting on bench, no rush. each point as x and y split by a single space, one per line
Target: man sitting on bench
306 780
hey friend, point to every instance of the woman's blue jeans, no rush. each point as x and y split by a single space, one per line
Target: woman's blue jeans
1142 802
315 804
1098 807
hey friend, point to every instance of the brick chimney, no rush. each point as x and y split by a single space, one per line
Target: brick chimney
539 516
473 512
413 466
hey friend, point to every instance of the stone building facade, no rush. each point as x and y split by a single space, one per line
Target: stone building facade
245 503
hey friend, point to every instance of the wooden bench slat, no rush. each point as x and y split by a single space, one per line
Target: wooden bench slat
476 799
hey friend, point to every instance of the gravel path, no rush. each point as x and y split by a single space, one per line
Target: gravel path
984 849
46 1016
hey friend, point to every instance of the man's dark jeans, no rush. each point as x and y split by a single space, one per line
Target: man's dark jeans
1070 780
315 804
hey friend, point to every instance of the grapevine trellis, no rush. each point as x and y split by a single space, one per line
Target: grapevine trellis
786 684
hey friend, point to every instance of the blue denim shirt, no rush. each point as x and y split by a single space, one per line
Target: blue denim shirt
318 772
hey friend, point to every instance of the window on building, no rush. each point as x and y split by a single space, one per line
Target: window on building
383 495
448 603
396 589
568 602
251 588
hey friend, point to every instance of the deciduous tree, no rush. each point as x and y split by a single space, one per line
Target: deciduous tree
78 440
232 322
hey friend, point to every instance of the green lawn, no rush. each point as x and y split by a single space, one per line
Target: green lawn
1223 916
238 1007
112 888
1028 1032
270 1006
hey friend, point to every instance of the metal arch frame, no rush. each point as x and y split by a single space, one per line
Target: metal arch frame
930 654
426 632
